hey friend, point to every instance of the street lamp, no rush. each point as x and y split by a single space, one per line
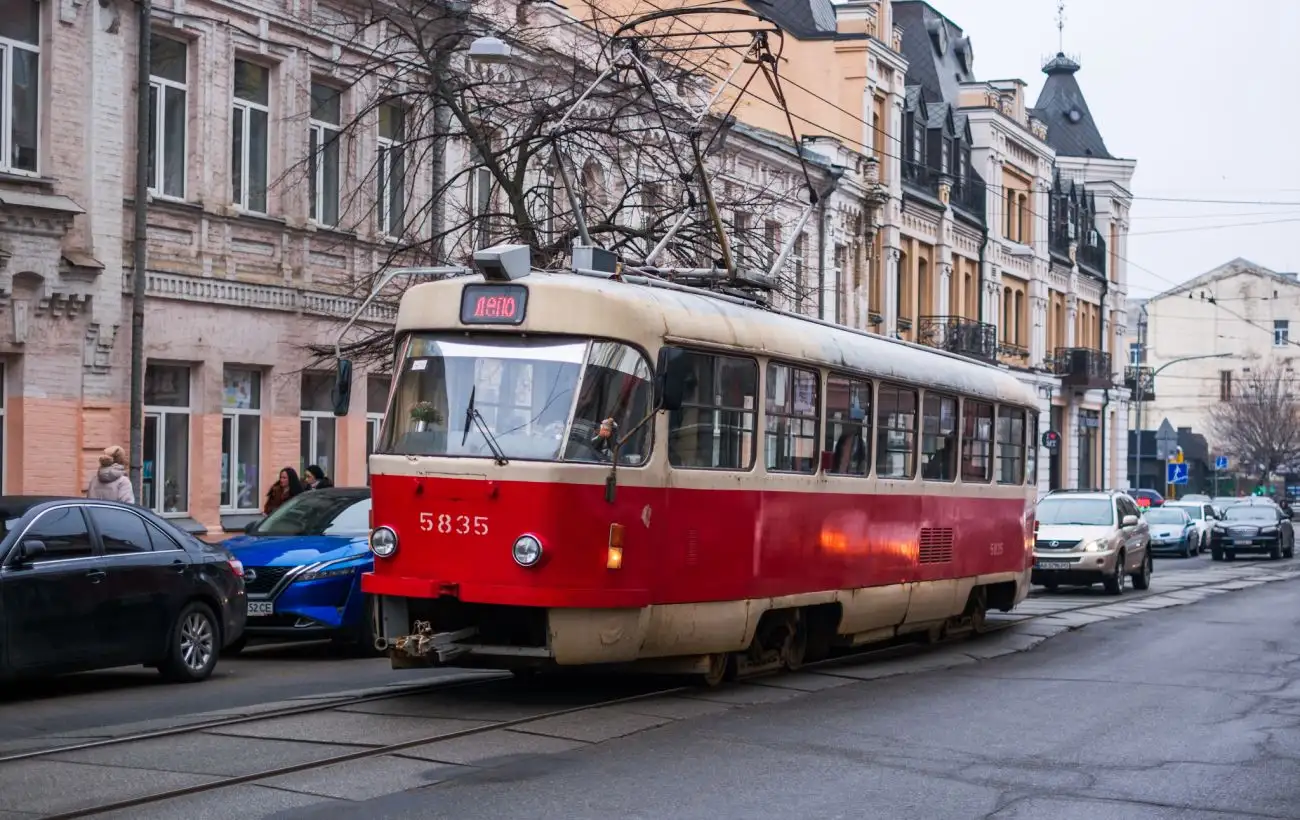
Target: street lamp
1137 458
491 50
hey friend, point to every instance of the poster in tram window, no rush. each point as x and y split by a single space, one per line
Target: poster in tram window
805 393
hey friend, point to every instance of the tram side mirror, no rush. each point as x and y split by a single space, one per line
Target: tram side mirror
673 379
341 395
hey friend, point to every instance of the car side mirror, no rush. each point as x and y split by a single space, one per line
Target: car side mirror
341 395
252 528
1129 521
31 549
673 379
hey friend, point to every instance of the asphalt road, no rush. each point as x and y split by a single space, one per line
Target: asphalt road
1190 713
92 703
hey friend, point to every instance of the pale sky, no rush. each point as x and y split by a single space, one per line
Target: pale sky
1203 94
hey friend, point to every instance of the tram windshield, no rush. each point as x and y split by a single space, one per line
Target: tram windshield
540 399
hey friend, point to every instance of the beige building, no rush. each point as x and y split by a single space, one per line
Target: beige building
1239 311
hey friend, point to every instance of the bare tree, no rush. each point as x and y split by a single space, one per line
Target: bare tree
490 134
1259 426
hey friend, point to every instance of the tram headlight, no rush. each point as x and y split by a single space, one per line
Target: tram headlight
527 550
383 542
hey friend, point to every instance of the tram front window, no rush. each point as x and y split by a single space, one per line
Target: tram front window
523 392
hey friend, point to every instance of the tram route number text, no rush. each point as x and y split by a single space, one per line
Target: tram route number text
454 524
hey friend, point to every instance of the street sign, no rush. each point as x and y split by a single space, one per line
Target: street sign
1051 440
1175 473
1166 440
1221 462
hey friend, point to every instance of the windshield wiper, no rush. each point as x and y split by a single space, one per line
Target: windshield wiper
473 415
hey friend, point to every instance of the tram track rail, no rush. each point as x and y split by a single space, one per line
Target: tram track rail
900 650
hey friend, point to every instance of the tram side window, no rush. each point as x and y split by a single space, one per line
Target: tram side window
977 442
790 443
848 425
714 429
939 438
1031 448
616 386
1011 445
895 432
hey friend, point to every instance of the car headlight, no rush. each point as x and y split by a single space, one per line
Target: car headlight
1268 531
1098 545
527 550
383 542
330 569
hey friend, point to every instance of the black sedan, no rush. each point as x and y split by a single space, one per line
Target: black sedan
1252 528
95 584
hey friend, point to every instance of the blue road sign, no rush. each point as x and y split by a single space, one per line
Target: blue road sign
1175 473
1221 462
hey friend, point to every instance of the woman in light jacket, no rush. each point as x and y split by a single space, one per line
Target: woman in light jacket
111 482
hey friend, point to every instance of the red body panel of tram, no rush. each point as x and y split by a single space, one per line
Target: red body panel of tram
680 545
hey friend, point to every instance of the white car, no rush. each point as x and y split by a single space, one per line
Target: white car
1203 515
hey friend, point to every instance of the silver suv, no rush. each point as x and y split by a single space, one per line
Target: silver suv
1086 537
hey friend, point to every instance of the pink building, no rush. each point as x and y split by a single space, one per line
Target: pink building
243 256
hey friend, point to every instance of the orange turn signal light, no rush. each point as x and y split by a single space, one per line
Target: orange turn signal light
614 556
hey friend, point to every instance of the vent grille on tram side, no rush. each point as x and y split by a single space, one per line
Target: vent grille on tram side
936 545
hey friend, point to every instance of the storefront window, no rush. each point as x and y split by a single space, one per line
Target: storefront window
241 432
316 440
165 473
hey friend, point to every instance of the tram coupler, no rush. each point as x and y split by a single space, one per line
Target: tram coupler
425 642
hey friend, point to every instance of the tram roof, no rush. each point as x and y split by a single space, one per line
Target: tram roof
646 315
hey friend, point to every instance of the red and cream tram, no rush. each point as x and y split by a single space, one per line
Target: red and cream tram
581 470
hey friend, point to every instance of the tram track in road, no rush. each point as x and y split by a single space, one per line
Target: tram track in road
900 651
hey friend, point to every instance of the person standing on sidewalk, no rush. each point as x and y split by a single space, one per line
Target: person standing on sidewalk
111 483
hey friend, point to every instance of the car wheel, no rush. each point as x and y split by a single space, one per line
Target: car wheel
1230 555
1189 548
1115 584
192 654
236 647
1216 555
1142 578
1275 553
361 641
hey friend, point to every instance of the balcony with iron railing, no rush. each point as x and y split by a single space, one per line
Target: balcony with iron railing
970 196
1083 367
1140 380
1092 255
957 334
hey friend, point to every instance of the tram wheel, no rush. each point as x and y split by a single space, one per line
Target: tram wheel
719 665
796 642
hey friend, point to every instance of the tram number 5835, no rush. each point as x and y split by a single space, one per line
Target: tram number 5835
447 524
995 549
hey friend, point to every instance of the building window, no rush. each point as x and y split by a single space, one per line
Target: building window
800 248
848 424
250 136
323 149
317 422
165 471
714 429
791 419
377 389
1281 332
918 146
1089 422
1135 354
168 114
1031 447
241 438
772 239
1225 385
939 438
1009 221
20 77
977 442
945 157
391 170
1011 446
895 433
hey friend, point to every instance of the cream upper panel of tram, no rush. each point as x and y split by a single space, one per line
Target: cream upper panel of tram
649 316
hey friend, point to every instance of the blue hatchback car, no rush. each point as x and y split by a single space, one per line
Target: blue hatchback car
303 566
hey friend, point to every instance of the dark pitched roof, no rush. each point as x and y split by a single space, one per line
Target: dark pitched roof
1071 131
804 19
939 56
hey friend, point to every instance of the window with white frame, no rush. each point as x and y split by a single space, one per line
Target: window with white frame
377 389
250 136
390 167
241 438
1281 332
168 115
165 471
317 422
323 149
20 78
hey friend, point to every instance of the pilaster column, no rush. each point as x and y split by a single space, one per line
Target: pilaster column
1071 313
944 307
889 310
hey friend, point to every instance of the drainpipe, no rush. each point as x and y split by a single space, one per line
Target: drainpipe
139 253
979 303
1105 401
835 175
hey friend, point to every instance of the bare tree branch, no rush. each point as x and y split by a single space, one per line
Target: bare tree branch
1259 426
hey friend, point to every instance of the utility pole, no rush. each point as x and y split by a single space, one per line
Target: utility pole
139 254
457 15
1137 470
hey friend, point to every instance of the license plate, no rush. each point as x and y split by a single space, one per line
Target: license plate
258 608
1054 565
1242 542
